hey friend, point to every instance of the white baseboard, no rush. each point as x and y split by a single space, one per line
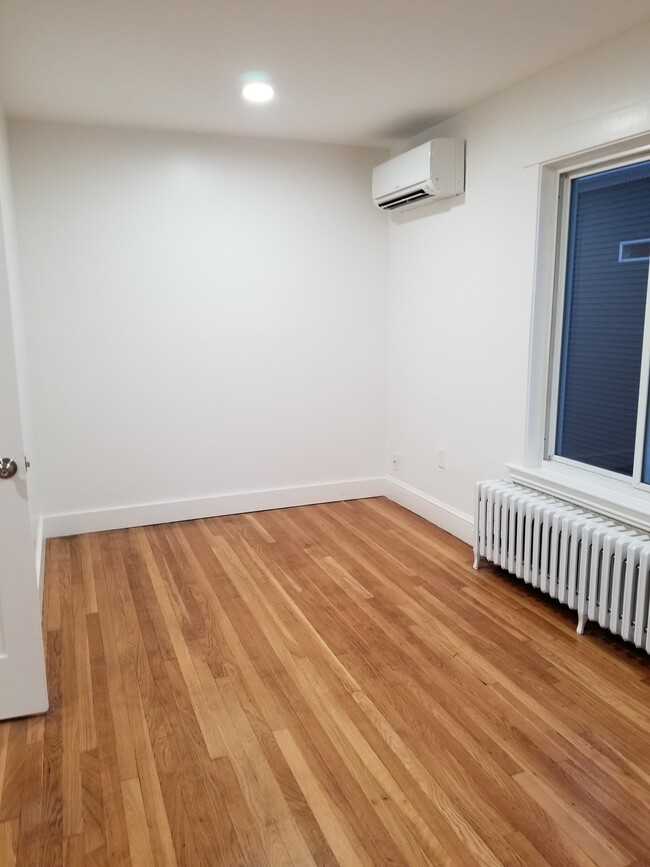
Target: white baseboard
441 514
73 523
447 517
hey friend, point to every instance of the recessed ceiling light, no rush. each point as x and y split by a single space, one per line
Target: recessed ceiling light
258 91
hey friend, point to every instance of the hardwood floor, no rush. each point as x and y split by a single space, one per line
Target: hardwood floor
318 686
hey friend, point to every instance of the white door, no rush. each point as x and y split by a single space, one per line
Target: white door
23 689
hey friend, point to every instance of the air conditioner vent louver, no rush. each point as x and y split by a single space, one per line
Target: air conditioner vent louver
406 200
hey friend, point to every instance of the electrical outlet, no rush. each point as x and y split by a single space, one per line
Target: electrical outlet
442 458
396 463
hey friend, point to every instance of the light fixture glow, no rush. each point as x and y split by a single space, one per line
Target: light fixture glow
258 91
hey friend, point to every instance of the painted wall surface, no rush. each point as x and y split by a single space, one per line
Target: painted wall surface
461 275
205 315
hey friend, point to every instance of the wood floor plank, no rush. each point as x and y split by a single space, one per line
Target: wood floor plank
9 843
30 835
250 841
115 829
325 685
136 824
4 749
73 851
13 784
153 804
57 563
52 814
341 841
93 803
88 566
107 654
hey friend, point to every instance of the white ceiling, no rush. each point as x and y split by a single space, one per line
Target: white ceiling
351 71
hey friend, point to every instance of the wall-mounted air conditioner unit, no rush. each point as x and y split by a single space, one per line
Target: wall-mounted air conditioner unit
434 170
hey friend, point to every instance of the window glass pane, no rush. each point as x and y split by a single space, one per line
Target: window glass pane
604 311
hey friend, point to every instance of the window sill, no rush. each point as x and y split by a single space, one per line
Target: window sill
629 507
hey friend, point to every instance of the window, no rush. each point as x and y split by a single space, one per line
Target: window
634 251
598 409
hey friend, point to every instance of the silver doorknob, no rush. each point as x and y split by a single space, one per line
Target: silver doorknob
8 468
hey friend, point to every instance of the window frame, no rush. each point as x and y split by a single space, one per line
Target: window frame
553 409
592 491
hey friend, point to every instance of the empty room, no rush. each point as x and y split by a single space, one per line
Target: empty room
325 433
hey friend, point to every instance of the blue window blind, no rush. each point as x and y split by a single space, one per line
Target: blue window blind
603 323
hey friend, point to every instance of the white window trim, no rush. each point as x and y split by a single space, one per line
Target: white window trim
608 496
630 507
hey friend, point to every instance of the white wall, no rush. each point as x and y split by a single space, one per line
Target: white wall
206 317
461 276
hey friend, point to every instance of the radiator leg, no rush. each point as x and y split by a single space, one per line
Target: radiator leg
582 619
477 559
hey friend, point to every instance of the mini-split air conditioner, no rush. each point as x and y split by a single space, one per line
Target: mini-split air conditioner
434 170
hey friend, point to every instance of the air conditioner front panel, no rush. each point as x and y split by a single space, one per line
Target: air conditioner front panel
406 171
433 170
